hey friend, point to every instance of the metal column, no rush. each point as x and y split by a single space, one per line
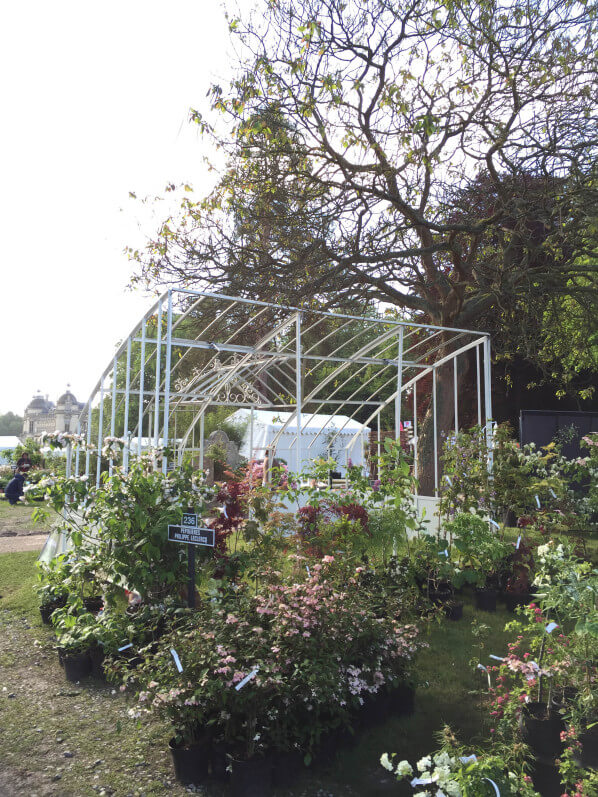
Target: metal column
379 446
456 397
167 378
141 387
113 410
201 436
298 388
78 448
126 434
415 440
488 402
157 379
87 453
435 431
477 358
100 433
399 387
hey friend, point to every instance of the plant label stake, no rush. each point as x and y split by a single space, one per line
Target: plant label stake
247 678
125 647
550 628
177 661
466 759
494 523
538 502
518 542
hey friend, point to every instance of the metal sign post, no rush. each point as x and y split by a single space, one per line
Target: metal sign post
191 533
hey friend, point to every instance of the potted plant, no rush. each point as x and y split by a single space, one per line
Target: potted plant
481 554
455 771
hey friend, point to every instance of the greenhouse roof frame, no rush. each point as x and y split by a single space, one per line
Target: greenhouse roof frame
260 355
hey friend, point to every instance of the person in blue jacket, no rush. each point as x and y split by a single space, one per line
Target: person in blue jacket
14 489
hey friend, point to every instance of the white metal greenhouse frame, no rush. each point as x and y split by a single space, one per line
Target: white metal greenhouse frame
265 356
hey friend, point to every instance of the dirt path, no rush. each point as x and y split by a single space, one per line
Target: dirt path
31 542
18 532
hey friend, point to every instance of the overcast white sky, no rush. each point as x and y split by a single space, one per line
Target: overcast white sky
94 104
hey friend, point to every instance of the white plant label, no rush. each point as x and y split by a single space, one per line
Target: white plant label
494 523
466 759
518 542
308 571
224 512
177 661
445 552
481 667
421 781
497 658
247 678
538 502
448 478
550 628
552 492
125 647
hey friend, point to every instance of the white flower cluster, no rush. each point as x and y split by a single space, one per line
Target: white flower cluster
437 771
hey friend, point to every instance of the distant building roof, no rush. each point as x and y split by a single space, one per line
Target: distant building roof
66 398
39 403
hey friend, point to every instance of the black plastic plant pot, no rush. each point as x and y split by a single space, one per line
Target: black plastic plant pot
440 596
453 610
97 656
402 700
513 600
77 666
485 599
219 761
541 731
191 762
375 709
251 778
46 613
93 604
546 779
587 757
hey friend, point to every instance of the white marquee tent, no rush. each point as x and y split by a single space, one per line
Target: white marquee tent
321 436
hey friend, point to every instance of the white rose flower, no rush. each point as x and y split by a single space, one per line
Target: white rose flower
404 769
423 764
442 759
386 762
442 774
